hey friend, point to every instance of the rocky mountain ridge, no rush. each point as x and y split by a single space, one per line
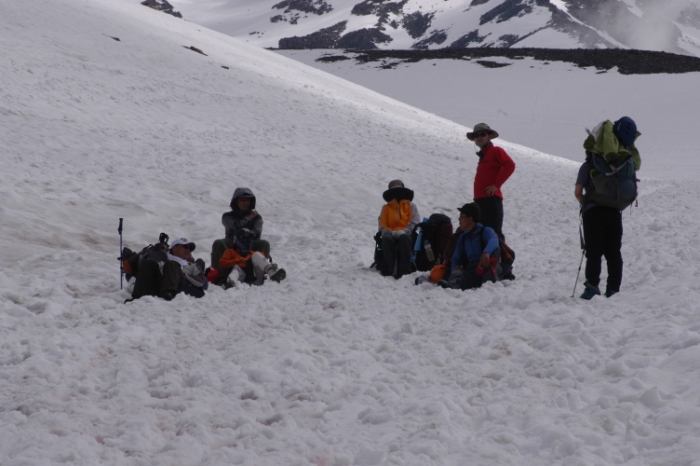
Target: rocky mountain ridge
670 26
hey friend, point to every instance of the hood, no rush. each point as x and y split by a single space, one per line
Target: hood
242 192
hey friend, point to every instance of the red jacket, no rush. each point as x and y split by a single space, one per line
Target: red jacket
494 168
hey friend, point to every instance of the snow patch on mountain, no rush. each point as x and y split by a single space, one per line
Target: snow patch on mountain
370 24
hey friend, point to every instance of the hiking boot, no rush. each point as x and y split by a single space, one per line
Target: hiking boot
169 295
508 276
278 276
609 293
590 291
271 269
232 279
422 279
444 284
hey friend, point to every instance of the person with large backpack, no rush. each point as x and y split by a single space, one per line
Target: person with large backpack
397 220
606 185
241 215
476 258
164 271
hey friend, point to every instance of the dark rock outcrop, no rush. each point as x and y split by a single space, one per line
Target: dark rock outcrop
465 40
162 5
436 37
626 61
417 23
323 39
363 39
506 11
317 7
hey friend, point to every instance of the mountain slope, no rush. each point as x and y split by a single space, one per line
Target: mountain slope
402 24
336 365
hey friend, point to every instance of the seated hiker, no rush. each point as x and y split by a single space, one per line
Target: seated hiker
167 274
242 215
398 218
242 263
476 256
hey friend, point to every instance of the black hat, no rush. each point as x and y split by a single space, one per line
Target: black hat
471 209
397 191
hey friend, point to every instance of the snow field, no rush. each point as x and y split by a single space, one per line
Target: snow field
335 365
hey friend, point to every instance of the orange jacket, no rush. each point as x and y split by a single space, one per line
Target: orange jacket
396 215
232 257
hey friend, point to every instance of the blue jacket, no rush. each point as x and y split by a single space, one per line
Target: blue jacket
470 247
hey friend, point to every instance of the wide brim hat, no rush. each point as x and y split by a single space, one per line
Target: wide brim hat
397 191
482 127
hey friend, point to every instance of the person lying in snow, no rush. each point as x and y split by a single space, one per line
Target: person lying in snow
476 257
242 215
397 220
167 276
242 263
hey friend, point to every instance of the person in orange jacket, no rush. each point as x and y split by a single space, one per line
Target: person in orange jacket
493 170
397 220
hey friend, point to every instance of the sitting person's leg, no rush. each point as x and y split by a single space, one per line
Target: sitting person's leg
466 278
389 249
403 256
217 250
171 281
148 279
263 246
262 266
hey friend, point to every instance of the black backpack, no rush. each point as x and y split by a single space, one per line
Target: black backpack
436 231
131 260
379 262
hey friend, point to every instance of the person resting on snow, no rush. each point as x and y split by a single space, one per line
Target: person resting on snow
242 263
475 259
242 215
175 273
398 218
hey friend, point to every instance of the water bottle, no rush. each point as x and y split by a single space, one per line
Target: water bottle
429 251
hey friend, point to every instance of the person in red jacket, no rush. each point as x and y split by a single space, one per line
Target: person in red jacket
494 168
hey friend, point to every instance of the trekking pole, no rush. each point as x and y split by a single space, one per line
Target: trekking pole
121 262
583 253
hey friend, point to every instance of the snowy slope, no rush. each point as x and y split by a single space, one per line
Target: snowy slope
335 366
543 105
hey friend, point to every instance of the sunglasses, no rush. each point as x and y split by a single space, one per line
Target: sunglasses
480 134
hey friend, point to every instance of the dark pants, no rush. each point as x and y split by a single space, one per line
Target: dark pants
467 278
491 209
602 232
221 245
151 282
397 253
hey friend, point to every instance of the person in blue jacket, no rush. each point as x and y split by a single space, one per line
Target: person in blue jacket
476 257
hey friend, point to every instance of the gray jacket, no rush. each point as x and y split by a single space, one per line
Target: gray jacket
235 219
